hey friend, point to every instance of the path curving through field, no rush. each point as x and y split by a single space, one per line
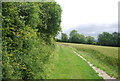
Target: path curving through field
100 72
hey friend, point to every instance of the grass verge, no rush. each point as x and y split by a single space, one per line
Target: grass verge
103 57
70 66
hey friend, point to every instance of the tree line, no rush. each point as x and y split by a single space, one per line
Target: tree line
105 38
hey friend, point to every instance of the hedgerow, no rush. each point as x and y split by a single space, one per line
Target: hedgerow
28 32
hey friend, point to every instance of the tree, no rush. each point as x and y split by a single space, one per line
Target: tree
73 32
115 38
64 37
105 38
28 32
49 13
76 37
80 38
89 39
72 38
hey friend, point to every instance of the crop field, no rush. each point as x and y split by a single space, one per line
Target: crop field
103 57
70 66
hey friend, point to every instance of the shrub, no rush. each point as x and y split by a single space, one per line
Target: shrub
28 39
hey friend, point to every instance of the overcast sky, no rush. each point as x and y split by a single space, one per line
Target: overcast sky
89 17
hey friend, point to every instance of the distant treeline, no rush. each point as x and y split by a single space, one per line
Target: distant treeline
105 38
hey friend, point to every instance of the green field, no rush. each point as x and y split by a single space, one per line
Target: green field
103 57
70 66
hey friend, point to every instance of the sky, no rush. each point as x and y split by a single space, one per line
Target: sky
89 17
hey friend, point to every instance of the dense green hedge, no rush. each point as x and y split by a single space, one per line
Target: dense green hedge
28 31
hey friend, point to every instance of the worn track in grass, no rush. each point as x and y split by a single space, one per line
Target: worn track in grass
70 66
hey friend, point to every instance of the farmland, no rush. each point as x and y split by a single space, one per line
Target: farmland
103 57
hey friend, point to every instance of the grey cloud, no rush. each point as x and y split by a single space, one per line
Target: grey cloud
94 29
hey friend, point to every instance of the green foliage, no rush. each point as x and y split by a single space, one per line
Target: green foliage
89 40
76 37
116 38
57 40
26 34
103 39
109 39
64 37
50 13
73 32
94 43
